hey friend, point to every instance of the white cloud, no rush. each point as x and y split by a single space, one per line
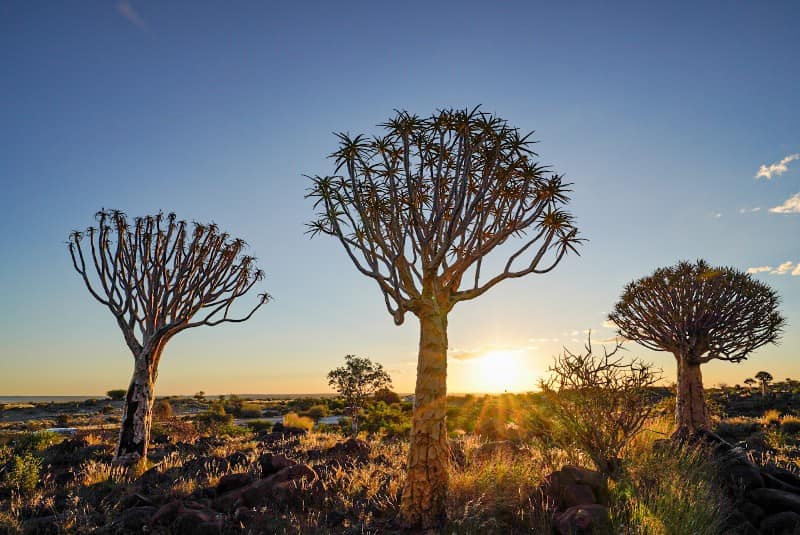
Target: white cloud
478 352
749 210
777 168
716 215
789 206
783 269
542 340
787 267
125 9
608 324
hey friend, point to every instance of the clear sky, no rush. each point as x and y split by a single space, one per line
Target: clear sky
660 113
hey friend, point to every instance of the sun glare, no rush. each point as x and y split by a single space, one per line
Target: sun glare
499 371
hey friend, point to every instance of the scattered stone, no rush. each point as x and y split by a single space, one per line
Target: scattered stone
785 523
272 464
135 519
775 501
577 494
583 519
232 481
745 476
43 525
752 512
352 447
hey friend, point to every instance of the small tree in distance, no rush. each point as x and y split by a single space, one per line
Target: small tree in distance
599 402
159 276
118 394
419 209
698 313
765 378
356 381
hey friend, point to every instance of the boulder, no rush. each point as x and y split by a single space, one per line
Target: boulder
577 494
785 523
136 518
272 464
42 525
583 520
774 500
745 476
352 447
565 487
754 513
232 481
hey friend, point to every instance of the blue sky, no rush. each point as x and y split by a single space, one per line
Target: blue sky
661 115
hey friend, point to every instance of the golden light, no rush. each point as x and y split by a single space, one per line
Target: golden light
500 371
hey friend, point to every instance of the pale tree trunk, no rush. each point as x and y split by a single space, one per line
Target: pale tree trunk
690 406
354 422
137 414
423 504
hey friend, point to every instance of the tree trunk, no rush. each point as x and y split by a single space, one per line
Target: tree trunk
354 422
690 406
423 504
137 415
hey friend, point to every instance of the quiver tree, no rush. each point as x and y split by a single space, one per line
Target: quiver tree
765 378
418 210
698 313
159 276
356 381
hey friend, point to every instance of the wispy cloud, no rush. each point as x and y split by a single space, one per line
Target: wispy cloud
608 324
749 210
125 9
789 206
777 168
716 215
785 268
478 352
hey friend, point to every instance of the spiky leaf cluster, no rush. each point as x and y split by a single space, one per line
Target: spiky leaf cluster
430 198
157 273
699 312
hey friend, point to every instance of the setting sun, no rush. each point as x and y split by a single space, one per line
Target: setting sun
500 371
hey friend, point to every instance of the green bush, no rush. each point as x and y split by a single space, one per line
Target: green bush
37 441
231 430
118 394
23 474
293 420
260 426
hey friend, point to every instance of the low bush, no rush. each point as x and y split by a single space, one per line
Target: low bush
37 441
163 410
293 420
771 417
790 424
737 427
23 473
260 426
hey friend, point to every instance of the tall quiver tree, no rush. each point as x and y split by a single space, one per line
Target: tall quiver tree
698 313
418 210
158 277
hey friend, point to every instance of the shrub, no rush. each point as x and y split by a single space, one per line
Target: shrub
670 490
293 420
231 430
599 403
65 420
315 412
737 427
387 396
214 417
163 410
107 409
23 474
260 426
37 441
249 410
117 394
771 417
790 424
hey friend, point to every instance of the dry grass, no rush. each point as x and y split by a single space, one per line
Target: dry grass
771 417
